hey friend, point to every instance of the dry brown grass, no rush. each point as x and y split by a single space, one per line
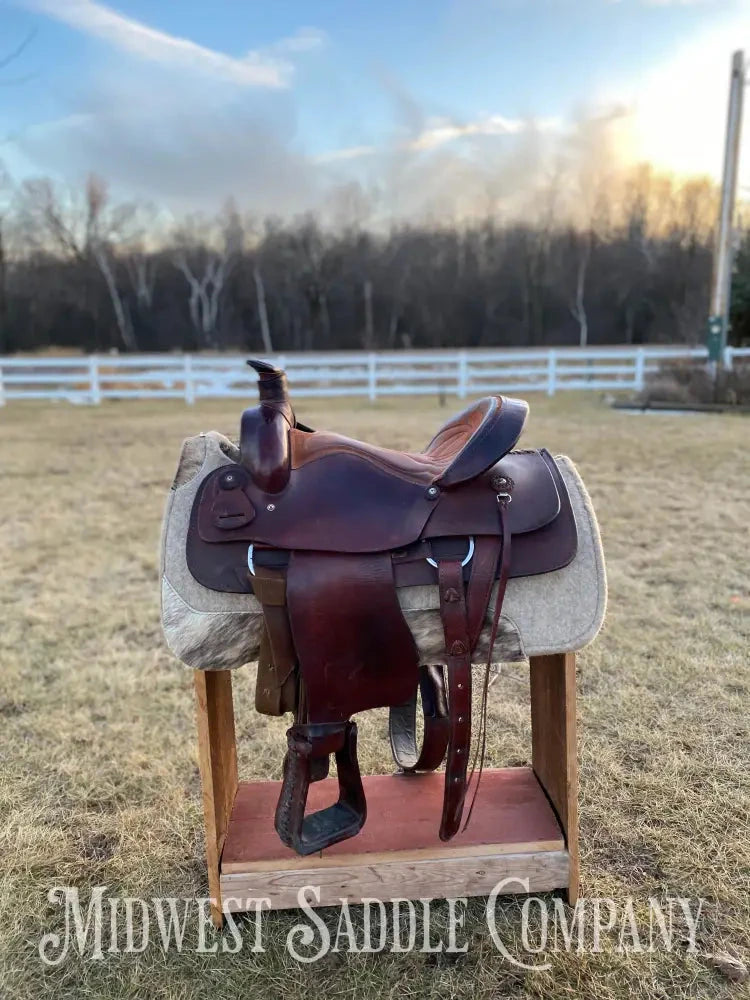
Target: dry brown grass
689 382
99 784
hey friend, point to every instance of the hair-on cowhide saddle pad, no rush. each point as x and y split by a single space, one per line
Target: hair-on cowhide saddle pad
555 612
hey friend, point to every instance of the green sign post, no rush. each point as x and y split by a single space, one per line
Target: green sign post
714 338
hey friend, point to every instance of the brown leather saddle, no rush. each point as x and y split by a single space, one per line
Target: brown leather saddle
323 529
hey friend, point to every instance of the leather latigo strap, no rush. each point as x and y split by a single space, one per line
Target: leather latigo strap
479 589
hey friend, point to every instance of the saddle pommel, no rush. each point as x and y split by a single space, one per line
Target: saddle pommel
264 430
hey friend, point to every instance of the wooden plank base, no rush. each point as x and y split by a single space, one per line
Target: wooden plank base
513 833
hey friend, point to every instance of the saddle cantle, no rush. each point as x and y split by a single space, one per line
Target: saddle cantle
323 529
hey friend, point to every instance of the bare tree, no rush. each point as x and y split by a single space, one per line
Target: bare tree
624 255
86 228
536 255
7 59
260 291
140 255
369 339
142 270
205 255
205 287
578 305
102 231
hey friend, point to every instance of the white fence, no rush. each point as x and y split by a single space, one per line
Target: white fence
93 378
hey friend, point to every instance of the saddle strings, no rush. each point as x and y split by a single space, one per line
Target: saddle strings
502 584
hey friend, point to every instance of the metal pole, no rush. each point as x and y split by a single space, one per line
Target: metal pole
718 323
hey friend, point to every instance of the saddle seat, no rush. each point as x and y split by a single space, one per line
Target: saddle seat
462 449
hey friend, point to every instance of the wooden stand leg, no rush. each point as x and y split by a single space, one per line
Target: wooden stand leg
217 760
553 740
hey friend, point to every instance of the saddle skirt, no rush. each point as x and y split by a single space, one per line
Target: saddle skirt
322 530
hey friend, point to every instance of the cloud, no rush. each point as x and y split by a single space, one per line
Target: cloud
451 170
442 131
303 40
262 68
679 106
187 147
190 149
347 153
188 129
188 140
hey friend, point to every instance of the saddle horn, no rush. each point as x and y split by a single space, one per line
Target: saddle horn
273 387
264 430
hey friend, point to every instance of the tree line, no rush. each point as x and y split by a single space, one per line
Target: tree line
629 262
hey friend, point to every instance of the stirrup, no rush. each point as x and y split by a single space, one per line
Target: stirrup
310 747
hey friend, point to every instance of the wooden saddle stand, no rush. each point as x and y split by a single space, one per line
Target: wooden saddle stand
324 531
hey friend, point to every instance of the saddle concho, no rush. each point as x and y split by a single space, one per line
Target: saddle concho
323 529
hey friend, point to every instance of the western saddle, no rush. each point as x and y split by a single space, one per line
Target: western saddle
323 529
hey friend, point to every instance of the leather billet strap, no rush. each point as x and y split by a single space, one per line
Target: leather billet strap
503 576
402 724
458 662
463 615
309 747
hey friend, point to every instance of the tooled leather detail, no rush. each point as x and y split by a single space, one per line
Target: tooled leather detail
501 483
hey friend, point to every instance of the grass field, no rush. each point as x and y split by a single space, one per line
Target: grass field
98 775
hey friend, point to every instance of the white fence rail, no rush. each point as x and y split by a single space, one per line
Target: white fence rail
94 378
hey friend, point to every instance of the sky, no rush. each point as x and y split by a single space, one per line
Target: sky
292 104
